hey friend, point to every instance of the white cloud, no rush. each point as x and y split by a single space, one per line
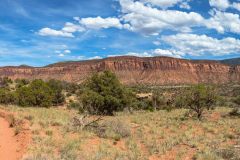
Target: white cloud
148 20
57 51
144 54
61 55
220 4
99 22
71 28
55 33
146 17
224 4
153 53
76 18
66 31
223 21
185 5
95 57
156 43
197 45
67 51
162 3
168 53
236 6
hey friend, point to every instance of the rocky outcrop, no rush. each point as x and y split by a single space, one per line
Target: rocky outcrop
133 70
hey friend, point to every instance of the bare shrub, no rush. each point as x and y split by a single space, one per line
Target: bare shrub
229 154
115 129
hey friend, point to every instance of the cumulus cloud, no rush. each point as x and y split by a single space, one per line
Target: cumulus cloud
224 4
55 33
143 54
67 51
162 3
220 4
71 28
149 20
236 6
84 24
146 17
95 57
156 43
223 21
185 5
197 45
61 55
168 53
66 31
99 22
153 53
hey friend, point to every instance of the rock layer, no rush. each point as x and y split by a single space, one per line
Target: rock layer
133 70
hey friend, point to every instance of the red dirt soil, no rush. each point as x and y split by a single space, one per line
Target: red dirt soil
12 147
8 143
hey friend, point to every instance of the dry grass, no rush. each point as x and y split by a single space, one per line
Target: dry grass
153 135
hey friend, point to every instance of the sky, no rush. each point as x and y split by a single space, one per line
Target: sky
41 32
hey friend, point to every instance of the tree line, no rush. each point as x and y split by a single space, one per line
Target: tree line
103 94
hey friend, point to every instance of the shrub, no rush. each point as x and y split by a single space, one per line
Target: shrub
115 129
105 95
42 93
57 87
4 82
158 101
21 82
93 102
144 104
70 87
199 98
7 97
75 105
237 101
236 110
38 93
229 154
25 96
180 101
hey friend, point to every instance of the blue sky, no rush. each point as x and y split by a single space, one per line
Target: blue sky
40 32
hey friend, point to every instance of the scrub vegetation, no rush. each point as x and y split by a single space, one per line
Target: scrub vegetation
102 119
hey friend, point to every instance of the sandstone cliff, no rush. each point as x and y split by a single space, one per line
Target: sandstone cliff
133 70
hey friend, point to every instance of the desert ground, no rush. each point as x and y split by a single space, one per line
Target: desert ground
168 135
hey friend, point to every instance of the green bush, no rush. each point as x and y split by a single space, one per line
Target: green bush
158 101
237 101
25 96
71 88
42 93
21 82
75 105
236 110
4 82
200 98
180 101
104 94
144 104
93 102
56 87
38 93
7 97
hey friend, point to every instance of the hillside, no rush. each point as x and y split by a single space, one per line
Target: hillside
233 61
133 70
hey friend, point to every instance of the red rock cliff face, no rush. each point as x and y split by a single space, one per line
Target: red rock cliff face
134 70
